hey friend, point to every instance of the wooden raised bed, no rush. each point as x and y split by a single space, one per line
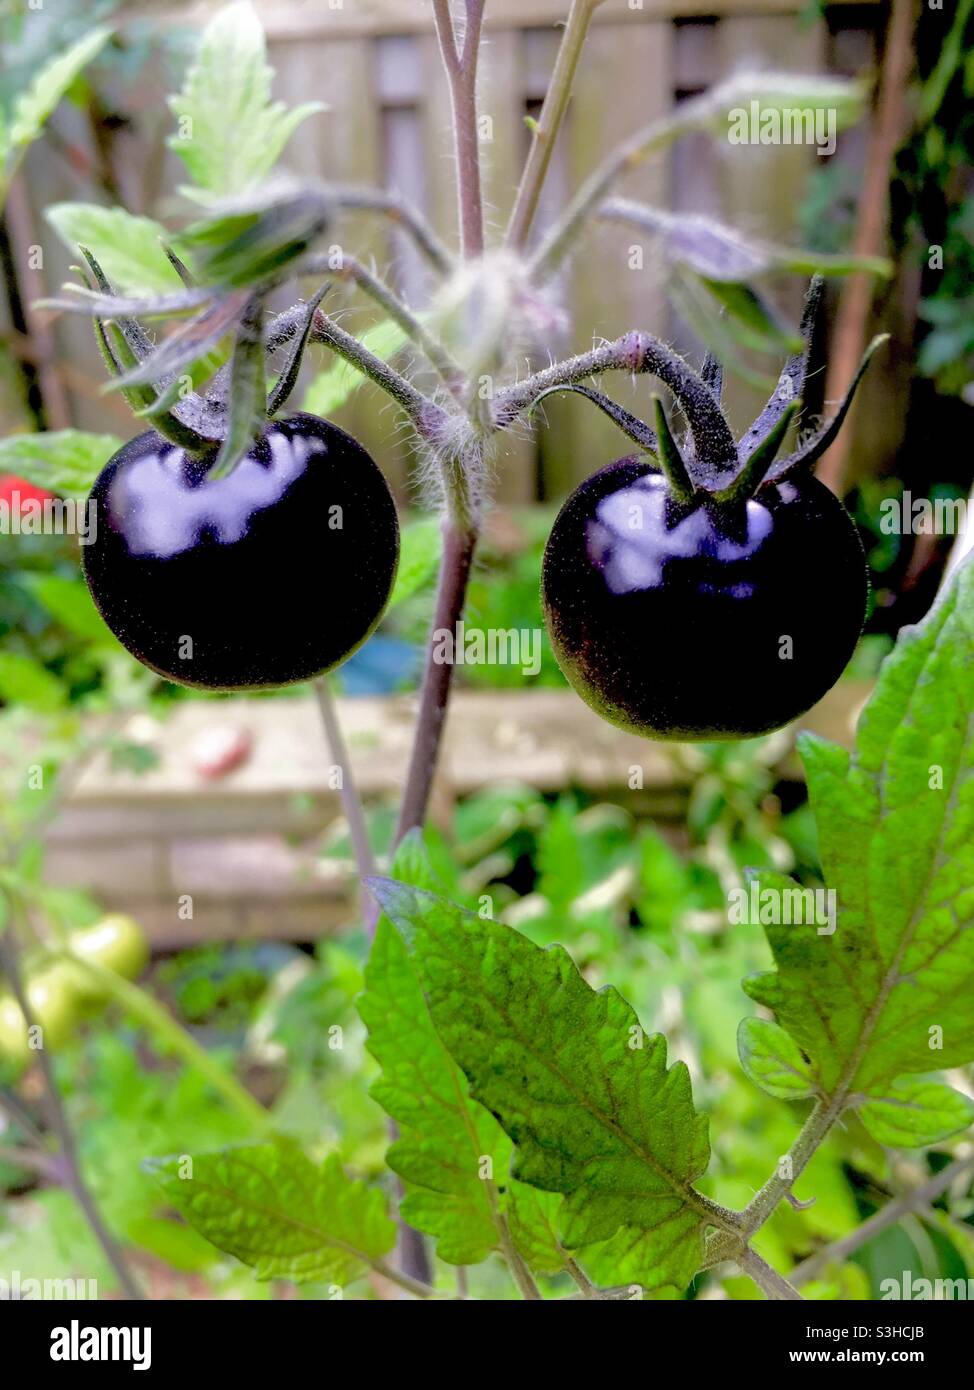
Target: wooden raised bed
244 847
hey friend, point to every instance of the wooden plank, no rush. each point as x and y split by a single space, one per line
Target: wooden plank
441 198
344 145
547 738
761 186
296 20
615 279
502 102
141 843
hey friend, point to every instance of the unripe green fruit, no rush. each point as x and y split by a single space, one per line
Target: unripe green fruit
117 943
53 1002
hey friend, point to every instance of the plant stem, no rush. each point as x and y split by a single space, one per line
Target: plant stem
45 1165
461 70
521 1274
814 1130
458 552
446 368
549 122
887 1216
411 1243
633 352
62 1127
423 412
21 1117
766 1278
633 151
403 214
351 801
418 1287
585 1285
619 1294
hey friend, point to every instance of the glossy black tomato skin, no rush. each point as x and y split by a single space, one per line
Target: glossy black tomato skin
271 575
702 621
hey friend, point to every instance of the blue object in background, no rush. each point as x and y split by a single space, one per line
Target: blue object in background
381 667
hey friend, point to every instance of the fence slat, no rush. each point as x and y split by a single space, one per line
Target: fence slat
607 296
301 19
344 144
762 186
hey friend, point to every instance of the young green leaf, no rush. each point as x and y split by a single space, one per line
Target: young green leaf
533 1217
916 1113
772 1061
586 1096
446 1139
420 545
69 602
888 991
229 133
723 333
33 106
275 1210
129 248
24 681
63 461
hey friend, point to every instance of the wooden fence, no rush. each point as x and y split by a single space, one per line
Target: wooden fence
375 63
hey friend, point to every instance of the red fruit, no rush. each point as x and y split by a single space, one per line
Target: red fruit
25 492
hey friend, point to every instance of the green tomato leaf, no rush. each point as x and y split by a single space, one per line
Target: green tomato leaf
533 1217
275 1210
69 602
332 388
451 1153
421 543
586 1096
229 133
26 682
129 248
33 106
772 1061
63 461
916 1113
888 992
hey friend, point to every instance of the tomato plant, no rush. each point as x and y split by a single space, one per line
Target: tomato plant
705 588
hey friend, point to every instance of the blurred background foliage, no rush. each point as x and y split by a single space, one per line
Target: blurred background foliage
638 907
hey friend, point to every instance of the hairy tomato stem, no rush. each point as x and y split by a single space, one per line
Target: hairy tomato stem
458 553
461 70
